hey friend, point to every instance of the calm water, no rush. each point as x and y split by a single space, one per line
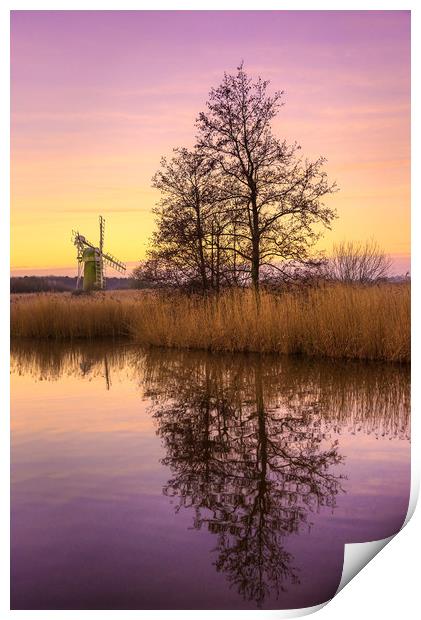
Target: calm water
163 479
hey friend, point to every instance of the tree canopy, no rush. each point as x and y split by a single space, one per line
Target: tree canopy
242 200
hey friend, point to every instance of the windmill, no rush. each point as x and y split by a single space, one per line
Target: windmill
94 260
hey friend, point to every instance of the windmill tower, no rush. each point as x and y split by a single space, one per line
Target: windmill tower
92 260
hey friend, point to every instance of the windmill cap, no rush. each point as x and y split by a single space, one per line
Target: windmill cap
89 253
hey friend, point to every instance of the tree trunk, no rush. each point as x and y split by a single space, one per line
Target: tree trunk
202 265
218 263
255 256
212 260
255 265
234 258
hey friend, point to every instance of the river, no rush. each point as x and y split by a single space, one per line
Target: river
162 479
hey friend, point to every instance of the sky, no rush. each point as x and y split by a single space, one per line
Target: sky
97 97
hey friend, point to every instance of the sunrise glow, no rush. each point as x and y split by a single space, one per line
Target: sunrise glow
99 97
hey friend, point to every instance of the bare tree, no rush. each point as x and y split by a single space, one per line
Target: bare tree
361 262
193 221
183 214
275 197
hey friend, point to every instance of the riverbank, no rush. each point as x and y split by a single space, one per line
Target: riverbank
337 321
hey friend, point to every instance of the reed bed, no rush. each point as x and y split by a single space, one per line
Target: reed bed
340 321
61 316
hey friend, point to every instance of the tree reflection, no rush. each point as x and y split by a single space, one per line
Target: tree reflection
252 469
250 440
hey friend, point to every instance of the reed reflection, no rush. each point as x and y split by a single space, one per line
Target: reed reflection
46 361
367 397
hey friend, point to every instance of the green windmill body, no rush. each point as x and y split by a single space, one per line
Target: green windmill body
92 260
89 260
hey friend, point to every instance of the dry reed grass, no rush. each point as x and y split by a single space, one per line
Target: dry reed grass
61 316
344 321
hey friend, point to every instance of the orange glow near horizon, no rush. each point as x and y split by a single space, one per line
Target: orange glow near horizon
99 97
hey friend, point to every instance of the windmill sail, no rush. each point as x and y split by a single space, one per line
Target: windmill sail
101 233
114 262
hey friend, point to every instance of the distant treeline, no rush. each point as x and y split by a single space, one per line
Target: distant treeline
62 284
59 284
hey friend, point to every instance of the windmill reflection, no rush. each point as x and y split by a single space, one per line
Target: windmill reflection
49 362
252 468
88 366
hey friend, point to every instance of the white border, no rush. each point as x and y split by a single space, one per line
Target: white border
348 603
